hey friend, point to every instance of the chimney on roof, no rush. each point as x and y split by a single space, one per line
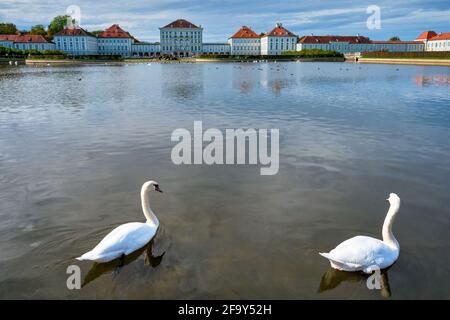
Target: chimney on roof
279 24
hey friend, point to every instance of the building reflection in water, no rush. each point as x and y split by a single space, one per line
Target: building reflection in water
439 80
249 76
187 84
244 77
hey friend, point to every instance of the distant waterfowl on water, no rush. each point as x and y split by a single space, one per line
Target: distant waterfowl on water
362 253
127 237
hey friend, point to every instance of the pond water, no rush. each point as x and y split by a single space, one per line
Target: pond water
76 144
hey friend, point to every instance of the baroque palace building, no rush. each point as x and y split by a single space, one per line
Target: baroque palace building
245 42
184 39
356 44
76 41
115 40
277 41
25 42
181 38
434 41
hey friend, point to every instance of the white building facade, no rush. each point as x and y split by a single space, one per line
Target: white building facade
181 38
342 44
356 44
245 42
434 41
115 41
26 42
145 49
216 48
184 39
278 41
76 41
396 46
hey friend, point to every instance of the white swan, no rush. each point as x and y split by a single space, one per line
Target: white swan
363 253
127 237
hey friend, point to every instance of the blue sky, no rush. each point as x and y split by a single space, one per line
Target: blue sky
221 18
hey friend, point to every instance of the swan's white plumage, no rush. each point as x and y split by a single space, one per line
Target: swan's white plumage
127 237
362 253
124 239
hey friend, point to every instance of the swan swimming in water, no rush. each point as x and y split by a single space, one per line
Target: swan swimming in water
127 237
363 253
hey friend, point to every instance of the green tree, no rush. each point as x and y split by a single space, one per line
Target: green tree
8 28
395 38
38 29
58 23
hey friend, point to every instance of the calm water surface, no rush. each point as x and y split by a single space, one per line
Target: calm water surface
74 153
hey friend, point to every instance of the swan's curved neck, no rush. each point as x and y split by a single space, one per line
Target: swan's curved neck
388 236
148 213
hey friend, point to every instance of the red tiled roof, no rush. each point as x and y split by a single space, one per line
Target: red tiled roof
394 42
181 23
245 32
23 38
115 31
426 35
328 39
442 36
77 31
280 31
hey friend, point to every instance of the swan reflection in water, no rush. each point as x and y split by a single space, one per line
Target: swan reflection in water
115 265
332 278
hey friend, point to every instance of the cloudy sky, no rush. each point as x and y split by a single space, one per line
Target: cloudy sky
221 18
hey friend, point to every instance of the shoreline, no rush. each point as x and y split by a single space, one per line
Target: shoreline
324 59
5 61
412 61
38 62
68 62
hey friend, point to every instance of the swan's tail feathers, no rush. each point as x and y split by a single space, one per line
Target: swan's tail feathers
86 256
332 259
325 255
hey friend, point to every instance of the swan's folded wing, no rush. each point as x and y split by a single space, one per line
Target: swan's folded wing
340 263
362 251
126 238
